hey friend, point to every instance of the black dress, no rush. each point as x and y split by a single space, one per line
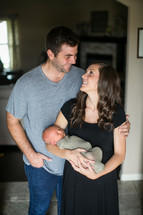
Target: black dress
81 195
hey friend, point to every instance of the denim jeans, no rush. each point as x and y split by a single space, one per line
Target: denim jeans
41 186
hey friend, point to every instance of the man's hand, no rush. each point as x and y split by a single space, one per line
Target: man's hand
38 160
125 127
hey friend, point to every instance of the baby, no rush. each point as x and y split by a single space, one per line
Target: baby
54 135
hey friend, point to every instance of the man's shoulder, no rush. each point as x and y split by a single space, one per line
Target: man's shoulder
31 73
29 76
75 74
75 69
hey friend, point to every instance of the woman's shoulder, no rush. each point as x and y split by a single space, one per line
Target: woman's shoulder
70 102
119 107
119 116
67 107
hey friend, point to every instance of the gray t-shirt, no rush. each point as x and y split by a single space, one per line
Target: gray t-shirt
37 101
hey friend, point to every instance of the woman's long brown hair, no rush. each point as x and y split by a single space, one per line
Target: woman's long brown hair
109 95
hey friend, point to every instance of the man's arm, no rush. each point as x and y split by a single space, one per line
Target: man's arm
18 134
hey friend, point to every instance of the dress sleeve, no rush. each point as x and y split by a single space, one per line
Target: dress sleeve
119 117
67 108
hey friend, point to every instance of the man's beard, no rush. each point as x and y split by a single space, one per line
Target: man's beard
59 67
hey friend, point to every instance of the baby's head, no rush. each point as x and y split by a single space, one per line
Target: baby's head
52 134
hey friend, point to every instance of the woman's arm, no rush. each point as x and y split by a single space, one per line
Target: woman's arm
54 149
112 163
61 121
65 153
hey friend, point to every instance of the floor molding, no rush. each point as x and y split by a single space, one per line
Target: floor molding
131 177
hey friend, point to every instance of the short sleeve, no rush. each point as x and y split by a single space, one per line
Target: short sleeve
67 108
17 101
119 117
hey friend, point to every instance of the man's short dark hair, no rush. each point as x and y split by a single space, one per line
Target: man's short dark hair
61 35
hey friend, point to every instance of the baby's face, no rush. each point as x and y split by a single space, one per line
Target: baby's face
56 134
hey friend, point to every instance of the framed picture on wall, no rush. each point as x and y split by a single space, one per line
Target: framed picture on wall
140 43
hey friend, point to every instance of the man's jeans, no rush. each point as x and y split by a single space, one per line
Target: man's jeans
41 186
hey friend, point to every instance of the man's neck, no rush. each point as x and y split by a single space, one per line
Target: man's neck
51 73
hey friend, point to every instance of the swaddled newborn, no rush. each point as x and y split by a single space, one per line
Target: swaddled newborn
56 136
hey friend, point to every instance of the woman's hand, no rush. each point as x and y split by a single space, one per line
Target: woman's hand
86 170
75 154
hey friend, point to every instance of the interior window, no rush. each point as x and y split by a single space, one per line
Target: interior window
4 46
9 44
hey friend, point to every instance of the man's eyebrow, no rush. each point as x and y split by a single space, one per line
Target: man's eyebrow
68 55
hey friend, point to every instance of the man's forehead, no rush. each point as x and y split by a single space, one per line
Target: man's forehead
66 47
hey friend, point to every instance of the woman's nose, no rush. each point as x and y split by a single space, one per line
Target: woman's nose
84 76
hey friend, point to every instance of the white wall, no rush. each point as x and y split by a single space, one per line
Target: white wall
133 166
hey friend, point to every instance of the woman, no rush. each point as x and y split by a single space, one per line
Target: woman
94 116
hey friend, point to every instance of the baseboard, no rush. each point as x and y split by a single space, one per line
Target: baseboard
131 177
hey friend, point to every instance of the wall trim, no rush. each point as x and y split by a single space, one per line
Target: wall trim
131 177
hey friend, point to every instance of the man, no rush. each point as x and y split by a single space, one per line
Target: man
37 98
